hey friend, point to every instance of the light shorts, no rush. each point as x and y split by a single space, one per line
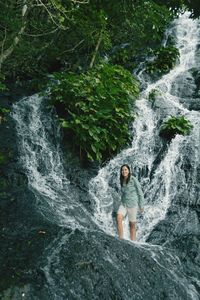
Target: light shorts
130 211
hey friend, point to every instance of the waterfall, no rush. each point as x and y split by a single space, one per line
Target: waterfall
161 180
41 158
77 262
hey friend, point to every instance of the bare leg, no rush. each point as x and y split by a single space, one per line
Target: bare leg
120 225
132 231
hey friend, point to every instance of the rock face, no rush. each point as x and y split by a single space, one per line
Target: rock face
186 87
181 231
95 266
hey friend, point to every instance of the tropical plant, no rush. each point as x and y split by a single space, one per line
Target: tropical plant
153 94
95 108
3 113
175 125
2 84
165 59
3 158
40 37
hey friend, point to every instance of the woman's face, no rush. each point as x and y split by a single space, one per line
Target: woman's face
125 172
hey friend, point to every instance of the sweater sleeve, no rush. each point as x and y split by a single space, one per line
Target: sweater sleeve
140 194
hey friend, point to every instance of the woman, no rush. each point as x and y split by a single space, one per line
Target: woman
131 198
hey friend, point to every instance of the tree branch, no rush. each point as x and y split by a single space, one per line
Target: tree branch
96 49
2 47
5 54
40 34
51 15
72 49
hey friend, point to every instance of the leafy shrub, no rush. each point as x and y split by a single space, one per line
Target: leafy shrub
3 113
165 60
175 125
3 158
153 94
124 56
95 108
2 85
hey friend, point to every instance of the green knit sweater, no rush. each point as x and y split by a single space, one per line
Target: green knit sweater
132 194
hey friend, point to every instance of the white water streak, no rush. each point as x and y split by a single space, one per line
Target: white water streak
41 160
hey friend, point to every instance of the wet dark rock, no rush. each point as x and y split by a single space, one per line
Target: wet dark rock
79 174
161 150
181 231
164 108
197 56
104 267
186 87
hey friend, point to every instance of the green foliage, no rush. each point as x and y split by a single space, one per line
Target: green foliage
65 34
3 183
153 94
3 158
165 60
140 23
2 84
96 108
124 56
175 125
3 113
141 27
121 55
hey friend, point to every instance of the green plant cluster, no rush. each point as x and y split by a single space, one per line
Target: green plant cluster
3 158
165 59
67 35
3 113
2 84
153 94
55 34
175 125
123 56
97 108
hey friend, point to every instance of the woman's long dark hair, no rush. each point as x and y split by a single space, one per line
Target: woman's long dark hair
122 177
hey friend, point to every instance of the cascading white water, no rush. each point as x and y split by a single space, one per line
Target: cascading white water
41 160
162 188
